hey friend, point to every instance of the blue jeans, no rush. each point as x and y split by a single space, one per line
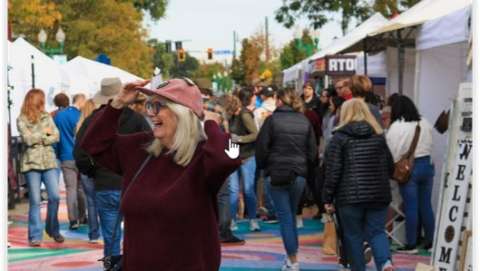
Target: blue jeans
285 200
417 198
93 224
247 172
34 179
359 224
224 218
108 202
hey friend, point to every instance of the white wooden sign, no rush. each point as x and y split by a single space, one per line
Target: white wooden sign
449 229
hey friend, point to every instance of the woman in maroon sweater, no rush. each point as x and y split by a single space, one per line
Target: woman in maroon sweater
170 209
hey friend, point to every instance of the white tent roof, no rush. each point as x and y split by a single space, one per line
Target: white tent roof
357 34
423 11
96 71
47 75
432 33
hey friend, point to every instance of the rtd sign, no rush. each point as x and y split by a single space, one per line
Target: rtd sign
341 65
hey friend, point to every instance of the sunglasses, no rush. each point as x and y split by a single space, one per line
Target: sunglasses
153 107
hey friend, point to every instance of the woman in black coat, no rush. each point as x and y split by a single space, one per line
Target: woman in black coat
358 168
286 150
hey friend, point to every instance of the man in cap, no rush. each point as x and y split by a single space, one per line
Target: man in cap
108 184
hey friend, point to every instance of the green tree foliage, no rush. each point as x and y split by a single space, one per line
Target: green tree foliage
186 68
28 17
208 70
92 27
161 58
296 51
249 61
318 11
156 8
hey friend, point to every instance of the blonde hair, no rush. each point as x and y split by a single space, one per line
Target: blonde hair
187 136
86 110
357 110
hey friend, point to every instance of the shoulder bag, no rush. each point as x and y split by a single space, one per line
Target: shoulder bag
403 168
114 262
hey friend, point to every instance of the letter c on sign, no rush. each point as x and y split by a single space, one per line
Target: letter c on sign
450 213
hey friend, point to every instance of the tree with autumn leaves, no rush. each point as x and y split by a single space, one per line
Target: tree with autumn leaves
92 27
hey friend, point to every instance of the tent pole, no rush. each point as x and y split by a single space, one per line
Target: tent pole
401 60
33 72
365 57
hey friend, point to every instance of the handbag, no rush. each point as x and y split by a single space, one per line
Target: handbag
114 262
329 246
403 168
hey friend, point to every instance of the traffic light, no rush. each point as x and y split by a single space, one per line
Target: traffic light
210 53
181 55
168 46
178 45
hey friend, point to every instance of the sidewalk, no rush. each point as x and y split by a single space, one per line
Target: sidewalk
263 251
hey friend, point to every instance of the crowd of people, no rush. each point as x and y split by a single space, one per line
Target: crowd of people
157 160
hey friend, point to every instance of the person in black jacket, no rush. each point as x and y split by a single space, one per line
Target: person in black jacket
286 150
107 184
358 168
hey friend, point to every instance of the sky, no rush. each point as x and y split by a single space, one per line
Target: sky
210 24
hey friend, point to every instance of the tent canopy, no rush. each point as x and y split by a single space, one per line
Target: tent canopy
94 71
423 11
348 41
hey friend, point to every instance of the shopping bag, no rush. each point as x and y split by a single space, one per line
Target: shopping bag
329 236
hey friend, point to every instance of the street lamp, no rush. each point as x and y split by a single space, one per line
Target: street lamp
59 37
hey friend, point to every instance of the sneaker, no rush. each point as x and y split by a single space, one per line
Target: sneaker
35 243
93 241
367 253
74 225
408 250
289 266
254 225
388 266
233 226
58 238
233 241
299 222
270 219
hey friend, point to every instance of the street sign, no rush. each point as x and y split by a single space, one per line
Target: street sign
223 52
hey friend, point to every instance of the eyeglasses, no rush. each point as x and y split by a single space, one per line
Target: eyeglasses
153 107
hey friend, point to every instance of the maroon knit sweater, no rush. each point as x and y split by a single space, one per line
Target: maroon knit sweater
170 210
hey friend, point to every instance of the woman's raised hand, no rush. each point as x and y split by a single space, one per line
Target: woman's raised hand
128 94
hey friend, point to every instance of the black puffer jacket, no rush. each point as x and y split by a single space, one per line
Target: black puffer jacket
286 141
358 167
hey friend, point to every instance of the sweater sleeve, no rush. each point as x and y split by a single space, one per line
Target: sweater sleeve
262 145
29 137
333 169
216 163
249 123
51 138
100 138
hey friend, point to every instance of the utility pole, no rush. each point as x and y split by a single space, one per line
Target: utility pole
267 47
234 44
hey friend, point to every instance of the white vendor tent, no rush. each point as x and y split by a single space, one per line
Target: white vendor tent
95 72
440 68
353 37
47 76
423 11
296 72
